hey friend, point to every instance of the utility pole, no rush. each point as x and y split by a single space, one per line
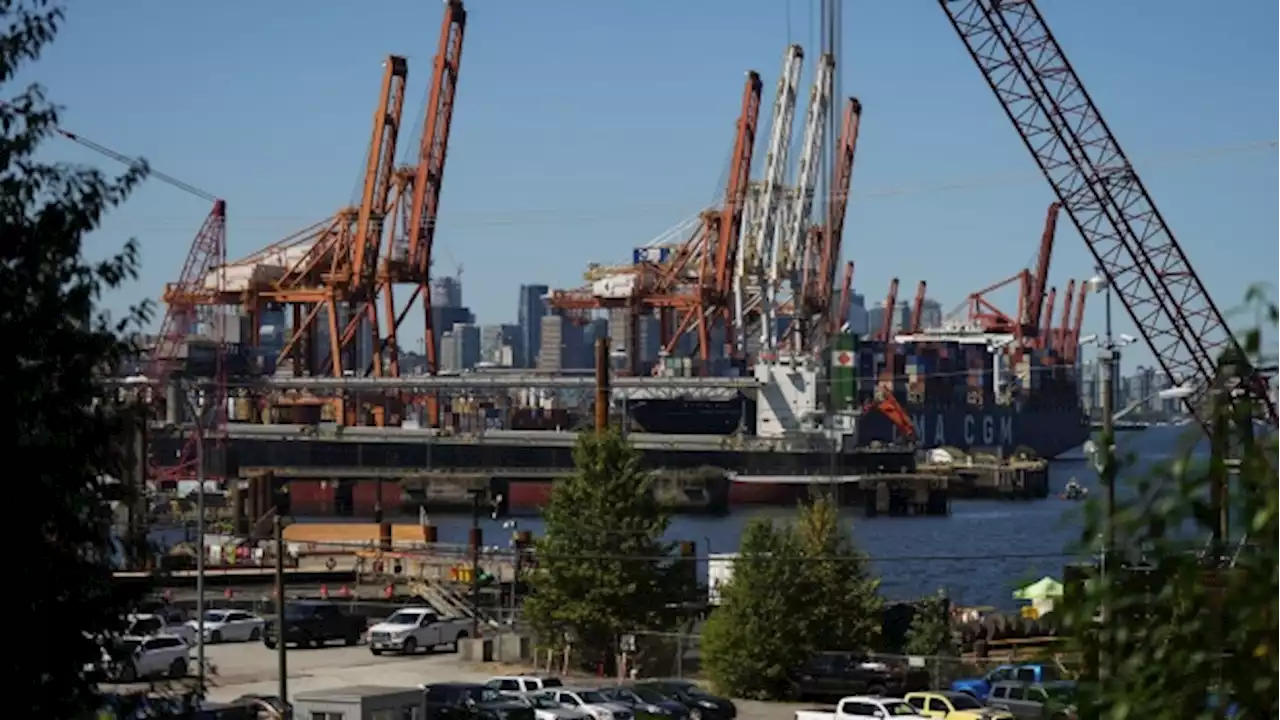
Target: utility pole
1108 356
282 662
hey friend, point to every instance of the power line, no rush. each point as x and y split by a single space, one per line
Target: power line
528 216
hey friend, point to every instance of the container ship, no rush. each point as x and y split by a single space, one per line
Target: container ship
962 388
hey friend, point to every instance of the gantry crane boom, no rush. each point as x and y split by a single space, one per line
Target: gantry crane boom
832 231
1035 303
1059 344
431 157
1100 190
730 230
890 304
917 307
790 247
755 252
378 171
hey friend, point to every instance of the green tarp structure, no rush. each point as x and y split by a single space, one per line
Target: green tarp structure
1042 589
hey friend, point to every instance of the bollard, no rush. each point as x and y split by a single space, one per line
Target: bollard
344 591
228 594
389 591
324 592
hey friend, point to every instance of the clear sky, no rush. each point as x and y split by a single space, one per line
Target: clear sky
584 128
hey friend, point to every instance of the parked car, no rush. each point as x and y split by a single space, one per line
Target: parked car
1035 701
702 705
546 708
314 623
132 658
411 629
591 702
947 705
647 702
864 707
980 687
229 626
470 701
168 623
523 683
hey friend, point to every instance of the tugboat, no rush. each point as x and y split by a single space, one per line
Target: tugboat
1074 491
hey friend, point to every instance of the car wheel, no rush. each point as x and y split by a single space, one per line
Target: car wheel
178 669
254 634
375 651
128 673
410 646
271 644
215 636
351 640
695 714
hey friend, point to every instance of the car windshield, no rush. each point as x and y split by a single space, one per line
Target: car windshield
898 709
649 695
964 702
216 616
592 697
542 702
405 617
481 694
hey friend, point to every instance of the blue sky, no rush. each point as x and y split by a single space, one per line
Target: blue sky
585 128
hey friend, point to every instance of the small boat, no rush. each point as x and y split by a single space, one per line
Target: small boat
1073 490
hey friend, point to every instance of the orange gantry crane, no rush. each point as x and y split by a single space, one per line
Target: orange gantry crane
688 287
336 280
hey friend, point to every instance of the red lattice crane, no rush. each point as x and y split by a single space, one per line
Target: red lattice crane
183 317
1102 194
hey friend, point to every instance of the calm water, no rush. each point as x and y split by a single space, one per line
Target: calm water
916 556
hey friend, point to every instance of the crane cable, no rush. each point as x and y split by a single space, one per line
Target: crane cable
139 163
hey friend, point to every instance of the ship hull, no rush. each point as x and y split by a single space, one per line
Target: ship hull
1044 432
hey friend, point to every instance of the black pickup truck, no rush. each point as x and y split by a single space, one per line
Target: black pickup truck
827 677
311 623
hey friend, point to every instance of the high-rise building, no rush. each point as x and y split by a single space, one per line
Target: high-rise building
563 344
532 308
500 344
446 291
466 345
857 314
930 314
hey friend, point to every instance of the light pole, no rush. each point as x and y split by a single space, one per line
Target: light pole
201 550
186 389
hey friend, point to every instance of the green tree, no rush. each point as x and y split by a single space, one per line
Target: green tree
930 631
1190 620
603 567
797 588
64 427
757 637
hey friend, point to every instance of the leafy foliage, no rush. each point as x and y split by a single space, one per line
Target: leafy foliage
796 589
930 631
64 428
1192 624
601 569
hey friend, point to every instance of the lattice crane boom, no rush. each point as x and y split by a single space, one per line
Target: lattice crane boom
1100 191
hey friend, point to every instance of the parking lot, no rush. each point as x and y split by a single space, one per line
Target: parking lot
243 668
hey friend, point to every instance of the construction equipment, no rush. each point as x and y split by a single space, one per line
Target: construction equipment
187 322
1101 192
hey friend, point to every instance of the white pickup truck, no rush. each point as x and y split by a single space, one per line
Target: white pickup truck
411 629
864 707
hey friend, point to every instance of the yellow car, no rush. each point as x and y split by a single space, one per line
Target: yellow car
953 706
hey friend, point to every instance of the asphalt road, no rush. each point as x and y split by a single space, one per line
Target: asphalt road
250 668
